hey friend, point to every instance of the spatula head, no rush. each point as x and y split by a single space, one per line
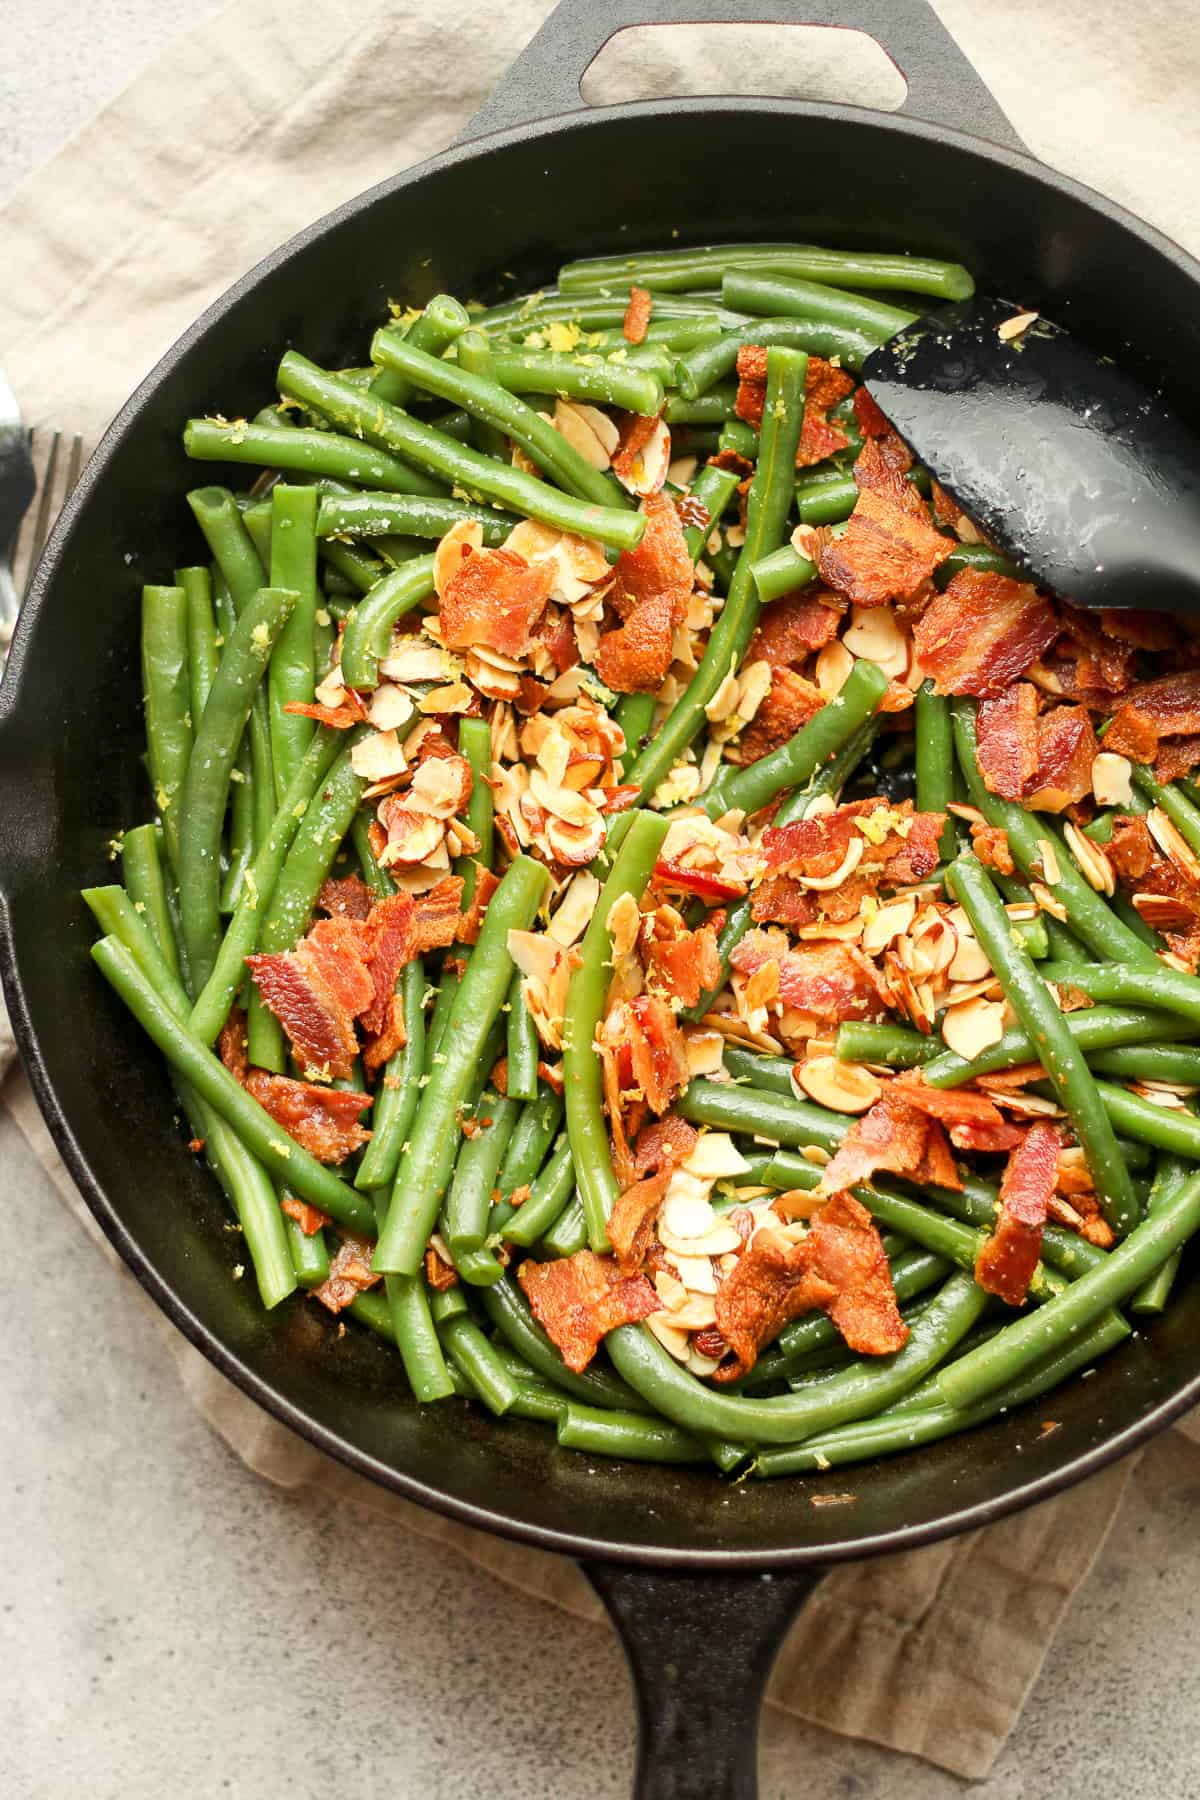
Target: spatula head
1082 475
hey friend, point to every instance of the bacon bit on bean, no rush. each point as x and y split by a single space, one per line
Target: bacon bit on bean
470 923
637 315
982 632
1006 1263
792 627
752 384
1168 707
196 1145
439 1273
1165 894
323 1120
886 553
349 898
680 964
790 702
820 437
832 983
494 598
310 1219
634 657
338 718
973 1121
871 422
665 1141
349 1274
897 1138
631 1222
579 1299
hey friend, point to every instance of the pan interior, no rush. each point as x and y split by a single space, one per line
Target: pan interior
486 223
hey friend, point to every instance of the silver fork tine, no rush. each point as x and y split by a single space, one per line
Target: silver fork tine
74 465
46 509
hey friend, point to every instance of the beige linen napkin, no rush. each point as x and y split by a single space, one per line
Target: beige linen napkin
266 118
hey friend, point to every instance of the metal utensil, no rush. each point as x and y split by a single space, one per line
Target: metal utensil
16 491
1078 471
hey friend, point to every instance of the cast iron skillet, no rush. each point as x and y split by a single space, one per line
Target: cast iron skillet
701 1577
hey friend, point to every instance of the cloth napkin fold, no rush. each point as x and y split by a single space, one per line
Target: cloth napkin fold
247 130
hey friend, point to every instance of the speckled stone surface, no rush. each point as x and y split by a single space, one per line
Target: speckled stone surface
169 1625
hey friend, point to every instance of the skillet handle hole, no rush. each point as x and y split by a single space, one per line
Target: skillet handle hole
793 62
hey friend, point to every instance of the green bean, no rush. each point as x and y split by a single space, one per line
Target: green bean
1095 1028
886 1046
1027 833
549 1195
478 1361
241 934
416 1338
509 1313
358 568
252 1197
592 312
906 1428
713 408
1149 1062
796 1124
773 1074
1122 1273
469 1200
206 786
488 400
203 650
973 556
1171 799
167 691
445 995
398 1093
416 515
826 498
713 489
318 838
476 475
425 1166
631 1435
933 744
580 377
522 1045
794 762
667 271
634 715
291 675
535 1131
141 865
700 369
1169 1175
1153 985
1165 1128
1059 1053
782 572
766 512
586 996
304 452
443 320
475 744
856 325
475 356
861 1389
309 1252
282 1157
569 1231
369 627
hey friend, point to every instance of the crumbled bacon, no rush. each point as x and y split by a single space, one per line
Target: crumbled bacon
658 1058
838 1267
338 718
752 384
439 1273
982 632
944 507
350 897
780 900
791 628
310 1219
790 703
886 553
1168 707
973 1121
634 657
470 924
1007 1261
232 1045
1067 748
900 846
631 1222
667 1140
660 564
824 387
436 914
1090 662
871 421
829 982
637 431
494 598
680 964
637 315
881 466
895 1137
1046 761
990 844
389 943
349 1274
315 992
324 1121
1166 895
581 1298
1176 757
654 583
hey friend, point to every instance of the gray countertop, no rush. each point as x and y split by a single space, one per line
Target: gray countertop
169 1624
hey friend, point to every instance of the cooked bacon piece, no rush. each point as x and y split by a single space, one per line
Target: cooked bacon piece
752 384
637 315
900 846
338 718
887 552
438 1273
556 635
631 1222
380 1049
634 657
944 507
232 1045
871 422
391 941
1007 741
814 847
310 1219
550 1074
780 900
982 632
1165 895
349 898
471 923
680 964
316 1018
323 1121
1176 757
1169 707
336 950
664 1141
1007 1261
790 703
493 599
880 468
990 1140
791 628
1090 663
581 1298
973 1121
731 459
671 873
436 914
990 844
896 1137
839 1267
824 387
660 564
1067 748
829 982
349 1273
658 1058
636 432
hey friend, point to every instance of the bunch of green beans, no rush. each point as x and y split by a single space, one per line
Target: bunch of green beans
481 1152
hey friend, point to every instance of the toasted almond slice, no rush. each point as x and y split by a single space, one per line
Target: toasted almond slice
623 922
413 837
1095 867
833 668
676 1343
1112 779
687 1212
705 1051
1172 842
715 1157
842 1087
970 815
439 787
561 802
648 466
887 923
696 1273
702 1366
973 1027
806 541
874 633
1008 329
722 1239
455 697
969 962
462 540
575 845
1030 1106
929 947
378 756
669 1288
682 471
1048 858
574 909
1047 901
331 691
390 708
825 884
535 955
696 1313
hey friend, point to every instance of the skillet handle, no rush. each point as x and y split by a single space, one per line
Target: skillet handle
943 87
700 1649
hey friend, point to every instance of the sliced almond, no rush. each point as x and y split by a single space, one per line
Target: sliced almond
1048 858
675 1342
1008 329
705 1051
378 756
646 470
969 962
561 802
575 908
463 539
455 697
1094 866
412 838
696 1273
825 884
588 430
575 845
1047 901
874 633
702 1366
841 1086
886 924
1172 842
390 708
973 1027
1112 779
834 666
441 786
721 1240
930 946
695 1313
536 955
715 1157
682 471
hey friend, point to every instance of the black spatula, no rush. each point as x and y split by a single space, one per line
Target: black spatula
1079 473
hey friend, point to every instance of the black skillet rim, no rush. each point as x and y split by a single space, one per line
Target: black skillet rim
505 1525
